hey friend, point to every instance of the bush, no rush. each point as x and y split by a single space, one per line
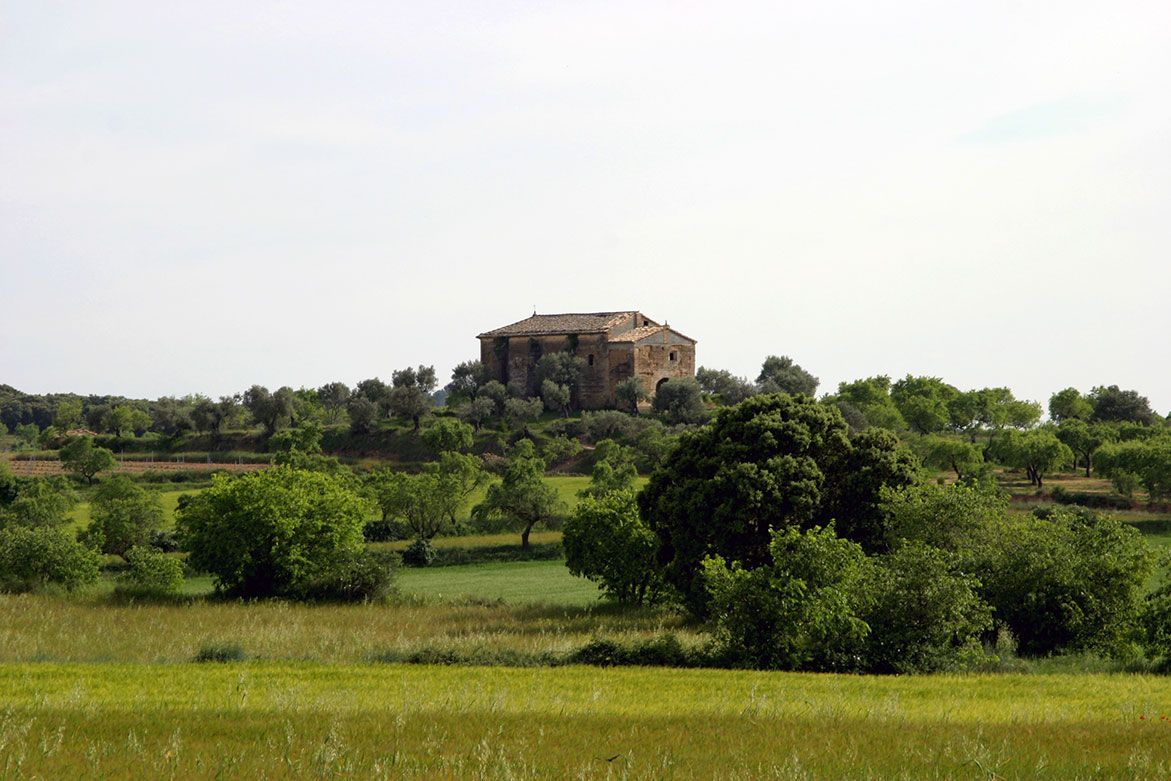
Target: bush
163 540
606 542
420 553
661 651
274 532
123 516
220 652
383 531
151 573
364 577
1125 483
34 558
1087 499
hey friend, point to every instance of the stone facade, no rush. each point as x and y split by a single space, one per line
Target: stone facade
613 345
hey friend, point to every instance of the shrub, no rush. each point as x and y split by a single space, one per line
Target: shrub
1087 499
383 531
420 553
274 532
606 542
163 540
123 516
33 558
1125 483
220 652
152 573
363 577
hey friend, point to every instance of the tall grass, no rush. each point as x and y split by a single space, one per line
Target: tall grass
293 720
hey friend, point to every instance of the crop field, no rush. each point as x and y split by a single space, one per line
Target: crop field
279 720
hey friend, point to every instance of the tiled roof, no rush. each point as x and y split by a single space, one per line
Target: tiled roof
574 323
638 334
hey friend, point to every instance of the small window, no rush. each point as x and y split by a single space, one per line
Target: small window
671 356
645 323
590 360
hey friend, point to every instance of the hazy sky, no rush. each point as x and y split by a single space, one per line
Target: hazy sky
198 196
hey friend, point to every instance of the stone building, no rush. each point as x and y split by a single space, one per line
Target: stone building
613 346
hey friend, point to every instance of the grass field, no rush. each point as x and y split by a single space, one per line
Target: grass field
519 581
279 720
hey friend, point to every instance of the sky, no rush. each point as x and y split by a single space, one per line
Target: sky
196 197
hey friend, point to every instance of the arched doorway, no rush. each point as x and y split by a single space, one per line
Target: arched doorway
659 384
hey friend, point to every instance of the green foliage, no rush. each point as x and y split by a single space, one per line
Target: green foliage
924 402
558 450
448 434
797 612
1071 581
410 396
220 652
1112 404
364 414
270 409
420 553
272 532
628 393
123 515
782 375
924 613
518 413
771 462
152 573
33 558
941 452
1084 439
1124 482
680 400
556 397
79 456
466 380
522 498
1150 460
560 368
613 470
35 502
725 387
871 398
1037 452
1069 404
124 418
606 541
67 415
945 517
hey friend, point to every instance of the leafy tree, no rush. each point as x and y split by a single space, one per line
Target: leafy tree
680 401
782 375
214 416
798 610
561 368
726 387
771 462
613 471
28 434
276 532
628 393
123 515
924 402
948 517
556 397
466 380
68 414
1072 581
1149 460
151 573
364 414
558 450
477 411
35 502
169 415
458 477
924 613
80 456
872 398
125 418
1112 404
1084 439
1070 404
334 396
518 413
606 542
375 391
496 393
522 497
271 410
1037 452
33 558
939 452
448 434
410 398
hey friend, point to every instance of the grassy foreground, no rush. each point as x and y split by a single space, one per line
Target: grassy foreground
276 720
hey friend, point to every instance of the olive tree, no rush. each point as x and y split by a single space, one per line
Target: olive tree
523 498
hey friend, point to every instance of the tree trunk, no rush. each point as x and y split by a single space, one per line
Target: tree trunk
524 536
1087 464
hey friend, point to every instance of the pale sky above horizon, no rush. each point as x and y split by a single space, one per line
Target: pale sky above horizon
196 197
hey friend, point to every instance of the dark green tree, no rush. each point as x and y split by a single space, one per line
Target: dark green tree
779 374
80 456
522 497
680 401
